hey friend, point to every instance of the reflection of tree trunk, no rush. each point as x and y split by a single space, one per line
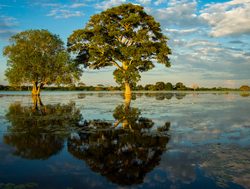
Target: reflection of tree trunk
126 107
127 89
127 101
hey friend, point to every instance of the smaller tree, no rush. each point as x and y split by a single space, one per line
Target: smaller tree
180 86
169 86
159 86
38 57
245 88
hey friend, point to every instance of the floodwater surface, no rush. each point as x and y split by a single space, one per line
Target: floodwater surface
76 140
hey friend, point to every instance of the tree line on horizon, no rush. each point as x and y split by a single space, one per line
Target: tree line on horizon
158 86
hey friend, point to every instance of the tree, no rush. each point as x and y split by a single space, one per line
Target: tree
160 86
245 88
180 86
39 57
169 86
125 37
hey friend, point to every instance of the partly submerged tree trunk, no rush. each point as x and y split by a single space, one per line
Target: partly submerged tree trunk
36 88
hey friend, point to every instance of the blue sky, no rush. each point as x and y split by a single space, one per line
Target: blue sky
210 40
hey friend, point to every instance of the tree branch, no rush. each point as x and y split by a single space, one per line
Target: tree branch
117 65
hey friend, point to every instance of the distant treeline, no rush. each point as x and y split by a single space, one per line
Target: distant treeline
158 86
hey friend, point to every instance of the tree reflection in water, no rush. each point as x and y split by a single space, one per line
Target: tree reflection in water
122 154
38 132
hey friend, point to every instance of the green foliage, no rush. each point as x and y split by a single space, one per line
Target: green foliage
160 86
123 36
169 86
180 86
39 56
245 88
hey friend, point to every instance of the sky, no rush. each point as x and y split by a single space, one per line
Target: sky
210 40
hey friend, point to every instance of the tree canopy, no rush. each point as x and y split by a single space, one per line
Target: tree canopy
125 37
39 57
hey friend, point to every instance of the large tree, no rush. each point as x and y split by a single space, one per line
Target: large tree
124 36
39 57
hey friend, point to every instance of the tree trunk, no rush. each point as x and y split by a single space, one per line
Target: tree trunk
127 90
126 84
36 88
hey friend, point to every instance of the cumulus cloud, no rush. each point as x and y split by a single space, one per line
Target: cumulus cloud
229 18
144 2
77 5
158 2
109 3
180 13
63 13
182 31
7 26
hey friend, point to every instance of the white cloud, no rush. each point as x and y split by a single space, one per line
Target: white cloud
50 4
158 2
182 31
8 21
77 5
7 26
181 13
229 18
62 13
144 2
109 3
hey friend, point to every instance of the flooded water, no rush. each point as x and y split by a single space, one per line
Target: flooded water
76 140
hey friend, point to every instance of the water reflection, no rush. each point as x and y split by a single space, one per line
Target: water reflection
123 151
125 145
168 96
125 154
38 132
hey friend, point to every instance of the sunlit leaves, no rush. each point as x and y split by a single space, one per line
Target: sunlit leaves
123 35
39 56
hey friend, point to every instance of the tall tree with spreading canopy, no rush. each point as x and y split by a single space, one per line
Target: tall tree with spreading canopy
39 57
123 36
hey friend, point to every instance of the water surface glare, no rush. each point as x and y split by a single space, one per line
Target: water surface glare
75 140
